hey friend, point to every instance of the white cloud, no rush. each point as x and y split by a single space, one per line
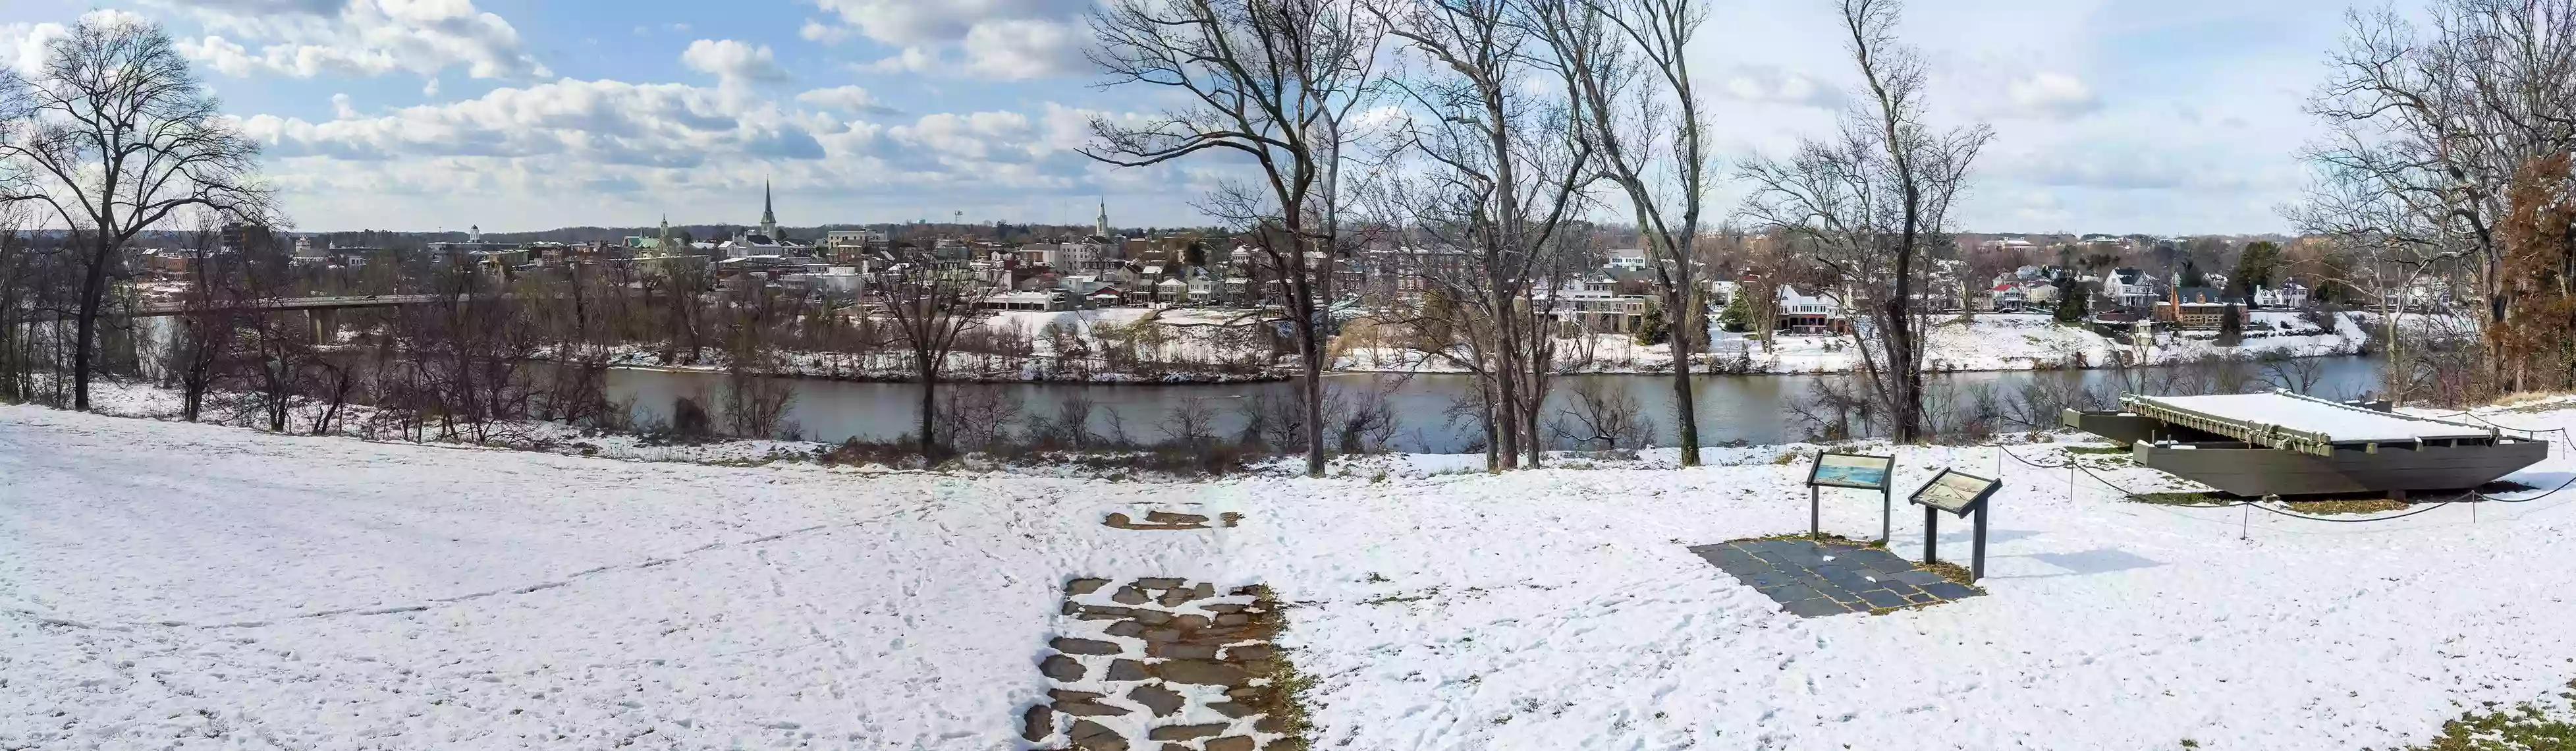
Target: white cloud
733 62
2055 96
606 121
817 31
1775 85
308 38
22 45
846 99
991 39
1018 49
526 156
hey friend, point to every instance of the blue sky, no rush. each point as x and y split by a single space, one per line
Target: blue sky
2170 116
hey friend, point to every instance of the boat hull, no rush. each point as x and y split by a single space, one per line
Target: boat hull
2237 469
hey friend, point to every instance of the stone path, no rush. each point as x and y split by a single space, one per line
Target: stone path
1812 578
1169 520
1156 664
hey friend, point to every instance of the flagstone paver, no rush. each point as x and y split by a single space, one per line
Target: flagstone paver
1812 578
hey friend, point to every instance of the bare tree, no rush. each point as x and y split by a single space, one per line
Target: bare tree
930 308
1624 63
203 335
1190 424
1874 203
2429 129
115 134
1486 177
2300 372
1604 416
982 416
1275 83
28 306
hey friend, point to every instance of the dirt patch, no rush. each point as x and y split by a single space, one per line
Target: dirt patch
1829 538
2524 727
2180 499
1159 519
2335 506
2098 449
1956 573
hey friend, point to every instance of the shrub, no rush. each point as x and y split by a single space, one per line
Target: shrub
689 420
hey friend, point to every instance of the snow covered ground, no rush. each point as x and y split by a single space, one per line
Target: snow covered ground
169 585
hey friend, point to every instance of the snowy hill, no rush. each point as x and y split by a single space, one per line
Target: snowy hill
171 585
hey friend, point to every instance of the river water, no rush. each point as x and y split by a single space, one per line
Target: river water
1750 408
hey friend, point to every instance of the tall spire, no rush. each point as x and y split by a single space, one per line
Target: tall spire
768 216
1101 227
767 213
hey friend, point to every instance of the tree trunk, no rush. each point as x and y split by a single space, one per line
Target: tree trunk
1529 419
87 328
1685 409
929 411
1313 395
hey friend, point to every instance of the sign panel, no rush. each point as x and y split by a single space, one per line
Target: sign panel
1861 471
1956 492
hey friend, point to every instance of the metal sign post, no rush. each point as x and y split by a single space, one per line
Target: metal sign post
1959 493
1856 471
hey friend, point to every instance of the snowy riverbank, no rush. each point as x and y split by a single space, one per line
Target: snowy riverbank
1987 342
1204 346
181 585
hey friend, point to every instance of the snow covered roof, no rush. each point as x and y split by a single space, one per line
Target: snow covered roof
2284 420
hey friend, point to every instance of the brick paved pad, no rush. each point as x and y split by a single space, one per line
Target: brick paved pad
1811 578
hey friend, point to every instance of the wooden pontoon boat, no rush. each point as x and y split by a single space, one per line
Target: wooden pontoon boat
2286 444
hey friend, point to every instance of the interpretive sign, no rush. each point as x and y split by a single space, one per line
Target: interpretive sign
1860 471
1956 492
1856 471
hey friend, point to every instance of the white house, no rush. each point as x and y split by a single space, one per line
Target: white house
2128 289
1584 308
1053 300
2007 296
1810 314
2291 294
841 282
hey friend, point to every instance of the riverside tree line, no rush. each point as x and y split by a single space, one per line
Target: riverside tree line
1474 137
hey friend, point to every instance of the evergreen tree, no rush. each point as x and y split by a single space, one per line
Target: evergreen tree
2254 268
1652 329
1738 317
2231 326
2073 300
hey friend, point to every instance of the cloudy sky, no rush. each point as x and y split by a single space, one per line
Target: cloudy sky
2162 116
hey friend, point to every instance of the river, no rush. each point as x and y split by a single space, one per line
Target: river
1750 408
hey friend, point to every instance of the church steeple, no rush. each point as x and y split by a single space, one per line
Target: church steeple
1101 226
664 240
768 214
